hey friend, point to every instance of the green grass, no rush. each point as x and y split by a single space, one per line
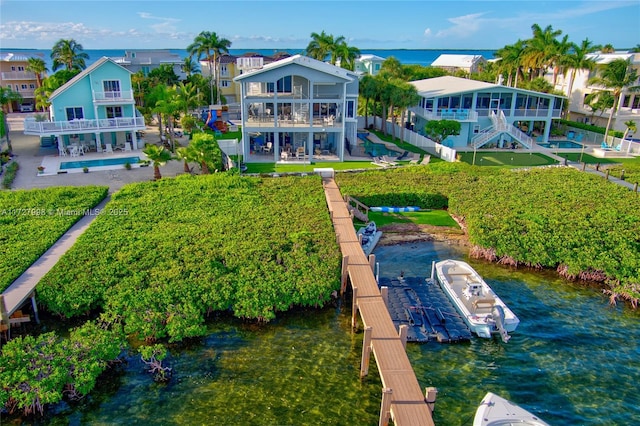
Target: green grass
402 145
308 168
423 217
586 158
508 158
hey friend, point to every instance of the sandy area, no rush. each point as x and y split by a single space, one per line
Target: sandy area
404 233
27 153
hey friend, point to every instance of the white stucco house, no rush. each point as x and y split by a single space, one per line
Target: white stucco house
453 62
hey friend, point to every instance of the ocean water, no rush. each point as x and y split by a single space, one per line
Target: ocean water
422 57
572 361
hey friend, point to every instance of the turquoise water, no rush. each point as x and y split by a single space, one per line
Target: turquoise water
572 360
98 163
376 149
561 144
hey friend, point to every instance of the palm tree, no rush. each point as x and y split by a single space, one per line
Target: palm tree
189 66
511 61
540 49
631 128
618 77
158 156
367 88
187 155
321 45
188 96
7 97
607 48
68 53
38 67
347 55
407 97
558 56
578 60
204 44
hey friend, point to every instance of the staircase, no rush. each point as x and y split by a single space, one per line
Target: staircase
500 126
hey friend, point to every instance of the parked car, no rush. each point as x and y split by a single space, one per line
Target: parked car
26 108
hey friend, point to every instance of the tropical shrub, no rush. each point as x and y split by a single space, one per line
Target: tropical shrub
36 371
197 244
32 220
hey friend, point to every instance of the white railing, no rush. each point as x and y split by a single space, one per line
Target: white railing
484 136
32 127
524 139
113 96
452 114
18 75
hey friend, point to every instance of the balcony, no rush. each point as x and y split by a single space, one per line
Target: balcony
47 128
447 114
121 96
18 75
287 120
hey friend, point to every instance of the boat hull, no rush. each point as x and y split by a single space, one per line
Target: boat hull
474 299
497 411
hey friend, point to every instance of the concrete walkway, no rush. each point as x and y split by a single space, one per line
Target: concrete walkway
23 287
626 184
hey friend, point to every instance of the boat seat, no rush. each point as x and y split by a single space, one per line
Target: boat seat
483 304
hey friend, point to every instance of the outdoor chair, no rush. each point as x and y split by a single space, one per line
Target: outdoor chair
389 161
300 152
267 148
415 157
579 137
62 152
378 162
108 148
425 160
127 146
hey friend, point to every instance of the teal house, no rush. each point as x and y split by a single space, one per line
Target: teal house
94 111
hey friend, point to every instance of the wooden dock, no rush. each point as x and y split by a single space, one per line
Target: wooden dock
402 398
23 288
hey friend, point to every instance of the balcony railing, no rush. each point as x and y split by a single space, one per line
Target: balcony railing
18 75
267 120
113 96
447 114
32 127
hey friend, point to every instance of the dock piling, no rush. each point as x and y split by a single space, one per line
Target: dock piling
354 309
345 274
403 330
366 352
431 393
385 407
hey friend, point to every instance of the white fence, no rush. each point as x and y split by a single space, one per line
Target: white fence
413 138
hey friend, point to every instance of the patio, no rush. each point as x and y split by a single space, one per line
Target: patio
93 161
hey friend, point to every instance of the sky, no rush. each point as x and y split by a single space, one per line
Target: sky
365 24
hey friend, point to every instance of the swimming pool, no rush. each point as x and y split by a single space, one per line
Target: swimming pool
98 163
376 149
561 144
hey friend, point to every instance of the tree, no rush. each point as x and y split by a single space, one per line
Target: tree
206 43
321 45
68 53
630 128
439 130
576 60
38 67
511 58
598 101
607 48
7 97
617 77
205 150
408 97
347 55
159 156
540 50
153 356
187 156
189 67
367 88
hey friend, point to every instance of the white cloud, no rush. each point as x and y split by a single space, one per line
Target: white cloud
427 32
463 26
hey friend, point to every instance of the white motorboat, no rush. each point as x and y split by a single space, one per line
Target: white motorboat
369 236
482 310
497 411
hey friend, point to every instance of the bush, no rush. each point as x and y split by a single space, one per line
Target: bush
9 175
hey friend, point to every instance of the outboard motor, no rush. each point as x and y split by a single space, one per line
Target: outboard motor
498 316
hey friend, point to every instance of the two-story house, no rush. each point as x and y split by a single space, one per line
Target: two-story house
298 108
489 114
14 76
94 110
368 64
578 90
467 63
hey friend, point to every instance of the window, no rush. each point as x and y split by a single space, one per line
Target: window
111 88
224 71
23 86
350 109
114 112
20 68
74 113
284 85
225 83
626 100
145 71
32 86
13 68
476 129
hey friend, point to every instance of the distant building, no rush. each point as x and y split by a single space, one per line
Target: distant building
629 108
148 60
452 63
14 76
369 64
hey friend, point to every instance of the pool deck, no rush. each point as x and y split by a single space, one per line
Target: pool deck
51 163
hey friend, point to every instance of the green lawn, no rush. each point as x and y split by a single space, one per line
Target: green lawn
308 168
586 158
423 217
506 158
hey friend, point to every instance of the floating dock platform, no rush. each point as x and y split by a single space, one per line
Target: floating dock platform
421 304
